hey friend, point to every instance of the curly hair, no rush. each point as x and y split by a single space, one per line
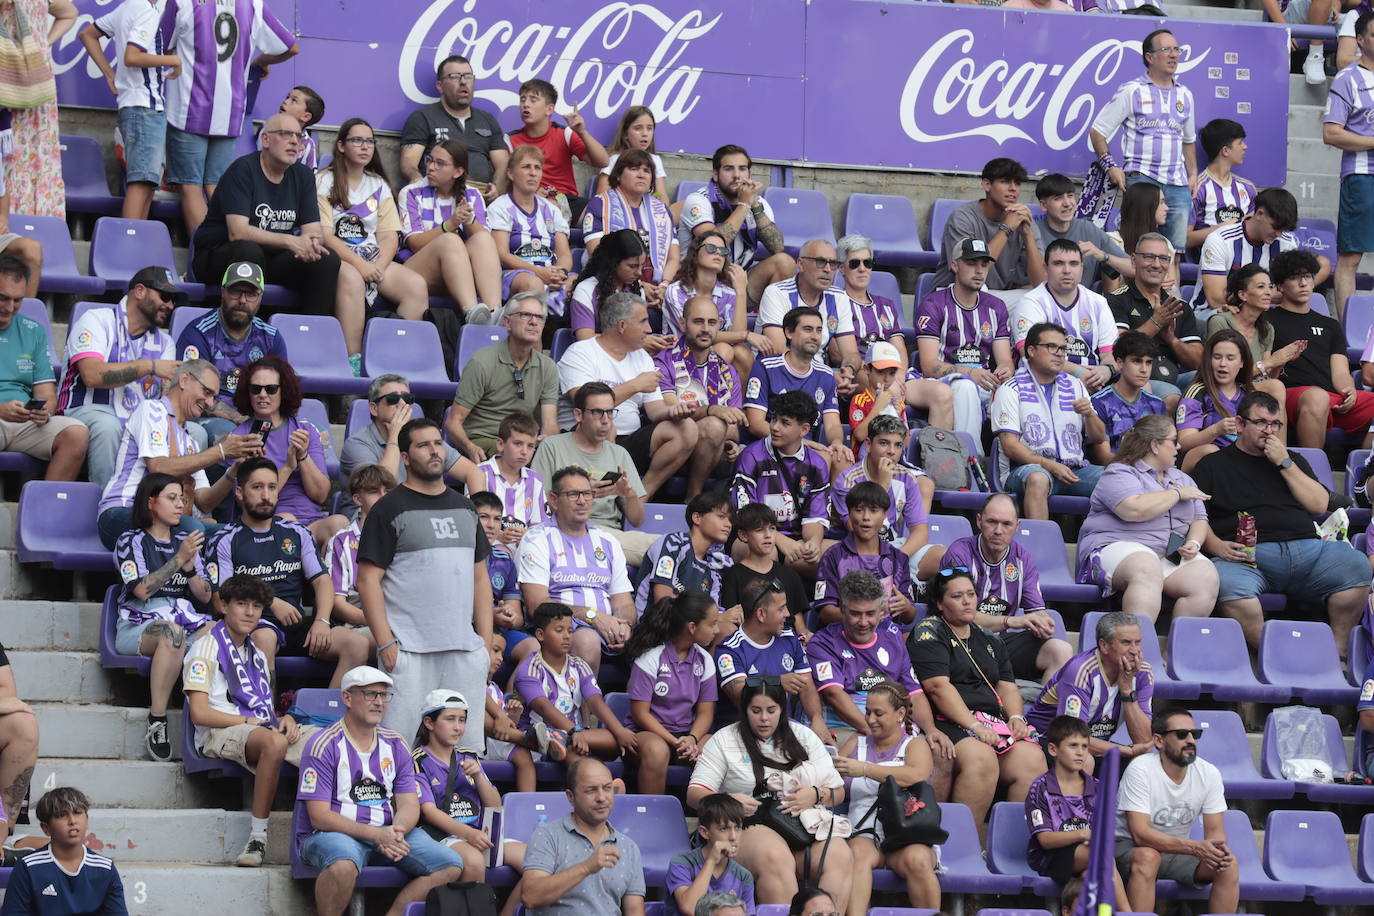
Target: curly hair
291 395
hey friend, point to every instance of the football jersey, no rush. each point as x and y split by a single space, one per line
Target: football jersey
207 338
889 566
1197 410
907 511
532 235
673 562
135 22
675 297
1228 249
874 320
360 784
1118 415
39 886
837 315
1011 585
739 656
1217 202
567 690
579 570
1088 320
283 556
793 486
858 669
421 208
965 335
138 553
431 780
1081 690
709 206
698 384
1042 415
152 432
522 501
1348 103
1154 122
773 375
103 333
673 686
341 559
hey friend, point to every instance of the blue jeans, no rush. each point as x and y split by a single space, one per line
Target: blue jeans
196 160
427 855
118 519
1088 476
1310 568
1180 201
105 429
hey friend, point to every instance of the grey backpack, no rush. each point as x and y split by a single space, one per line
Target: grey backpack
944 457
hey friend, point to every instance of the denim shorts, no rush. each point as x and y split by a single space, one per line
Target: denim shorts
1355 223
427 855
144 132
1180 201
1310 568
1088 476
193 159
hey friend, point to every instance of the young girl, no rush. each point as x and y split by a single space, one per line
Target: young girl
504 740
891 748
531 233
162 575
706 271
635 131
362 226
453 789
672 684
1206 417
444 225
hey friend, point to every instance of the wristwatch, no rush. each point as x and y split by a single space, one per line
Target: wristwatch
1285 464
1127 697
1003 227
591 614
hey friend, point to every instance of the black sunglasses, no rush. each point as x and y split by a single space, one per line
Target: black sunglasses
261 389
395 398
763 680
856 263
1181 733
950 572
518 377
774 588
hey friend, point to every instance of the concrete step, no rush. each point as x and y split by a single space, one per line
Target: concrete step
1304 123
99 731
127 783
1313 156
68 677
208 836
1215 13
156 889
1301 93
65 625
1318 193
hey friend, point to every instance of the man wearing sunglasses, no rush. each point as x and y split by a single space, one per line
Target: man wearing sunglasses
1258 475
1160 797
813 286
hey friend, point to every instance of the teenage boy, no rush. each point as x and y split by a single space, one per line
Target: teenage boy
864 548
909 491
66 878
366 485
555 685
559 144
1222 196
305 105
756 560
1059 199
1128 398
711 868
229 691
509 614
692 559
1059 807
1006 227
519 490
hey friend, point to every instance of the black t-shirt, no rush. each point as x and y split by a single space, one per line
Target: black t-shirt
244 190
736 578
479 133
1325 337
936 652
1239 482
1131 310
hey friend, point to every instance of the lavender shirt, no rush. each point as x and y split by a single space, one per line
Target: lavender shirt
1103 526
673 686
292 499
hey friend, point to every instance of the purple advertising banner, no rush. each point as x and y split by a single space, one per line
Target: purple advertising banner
851 82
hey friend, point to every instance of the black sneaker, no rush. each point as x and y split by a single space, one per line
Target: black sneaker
252 854
159 748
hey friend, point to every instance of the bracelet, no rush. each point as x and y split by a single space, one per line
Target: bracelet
222 456
394 642
1107 162
1015 717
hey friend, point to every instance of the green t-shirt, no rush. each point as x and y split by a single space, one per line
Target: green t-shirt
23 359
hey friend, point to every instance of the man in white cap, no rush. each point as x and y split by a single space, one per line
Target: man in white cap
357 803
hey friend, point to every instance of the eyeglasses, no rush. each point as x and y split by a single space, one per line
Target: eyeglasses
362 141
395 398
209 392
1154 258
376 696
1053 348
1181 733
950 571
441 163
1175 50
460 77
1301 278
856 263
286 134
822 263
527 316
596 413
821 913
576 496
249 293
518 377
763 680
1262 424
712 248
264 389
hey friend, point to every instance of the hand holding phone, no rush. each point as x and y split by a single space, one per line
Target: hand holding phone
260 428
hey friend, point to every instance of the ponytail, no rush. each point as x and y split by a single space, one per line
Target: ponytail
666 619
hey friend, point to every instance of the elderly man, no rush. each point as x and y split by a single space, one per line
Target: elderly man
510 376
617 356
1144 305
580 864
453 117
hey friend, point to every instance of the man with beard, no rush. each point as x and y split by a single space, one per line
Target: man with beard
454 118
116 359
282 554
231 338
1161 795
422 578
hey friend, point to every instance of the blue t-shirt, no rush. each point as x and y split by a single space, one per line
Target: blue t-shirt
207 338
40 887
501 567
24 360
1119 415
739 656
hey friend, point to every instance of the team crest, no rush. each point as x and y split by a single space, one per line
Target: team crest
1085 324
788 664
1179 107
883 656
599 553
288 546
985 329
1011 573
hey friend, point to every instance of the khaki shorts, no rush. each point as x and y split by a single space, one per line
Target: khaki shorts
31 439
232 744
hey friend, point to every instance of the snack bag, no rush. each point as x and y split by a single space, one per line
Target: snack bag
1247 535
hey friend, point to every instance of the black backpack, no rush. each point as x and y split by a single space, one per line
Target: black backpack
461 898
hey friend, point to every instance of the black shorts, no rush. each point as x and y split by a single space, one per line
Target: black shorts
1061 864
1022 647
295 635
637 444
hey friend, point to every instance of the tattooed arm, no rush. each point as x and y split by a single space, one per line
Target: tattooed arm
184 557
769 234
97 373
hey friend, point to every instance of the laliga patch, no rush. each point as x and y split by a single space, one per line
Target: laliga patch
191 353
128 571
199 670
309 780
825 671
1073 706
1367 692
755 387
664 569
726 663
1037 818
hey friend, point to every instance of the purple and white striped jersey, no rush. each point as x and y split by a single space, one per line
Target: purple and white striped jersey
714 382
359 785
1348 103
1156 123
1089 323
837 318
1217 202
772 375
675 300
217 42
793 486
1009 586
874 320
532 235
1228 249
341 559
579 570
1042 415
965 335
567 690
422 208
152 432
103 333
523 500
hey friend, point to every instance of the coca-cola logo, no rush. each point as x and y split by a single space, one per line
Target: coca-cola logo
950 94
619 55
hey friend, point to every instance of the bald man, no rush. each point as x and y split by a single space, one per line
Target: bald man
816 266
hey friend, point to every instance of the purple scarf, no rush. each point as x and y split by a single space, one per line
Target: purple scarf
657 233
249 686
1098 197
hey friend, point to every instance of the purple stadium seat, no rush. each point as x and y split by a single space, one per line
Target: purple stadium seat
925 284
620 705
83 174
1301 655
657 824
318 353
1271 766
109 618
885 284
1364 857
890 222
1308 847
1255 884
184 315
685 188
1165 686
946 529
882 911
471 338
1321 465
965 870
1359 317
57 526
775 909
1059 505
939 215
801 215
1045 541
1011 911
410 348
320 701
35 309
660 518
193 761
1212 651
372 876
1225 745
121 248
1319 223
83 306
60 274
314 411
1318 241
358 416
1358 651
1008 835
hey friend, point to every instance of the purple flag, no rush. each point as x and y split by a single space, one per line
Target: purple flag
1099 889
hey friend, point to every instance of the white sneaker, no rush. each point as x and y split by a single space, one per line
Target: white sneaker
480 314
1314 69
253 853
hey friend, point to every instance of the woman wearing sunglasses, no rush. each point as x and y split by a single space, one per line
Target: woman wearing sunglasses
269 392
706 271
762 749
967 676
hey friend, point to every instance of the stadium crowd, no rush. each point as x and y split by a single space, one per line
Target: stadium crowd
802 635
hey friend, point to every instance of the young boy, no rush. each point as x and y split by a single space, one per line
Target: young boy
1059 807
504 740
366 485
65 878
519 490
225 679
864 548
505 583
137 81
554 685
1222 196
305 105
884 391
756 530
1121 404
711 869
558 144
910 491
691 559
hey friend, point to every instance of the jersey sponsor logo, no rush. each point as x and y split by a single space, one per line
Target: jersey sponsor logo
869 679
367 792
661 689
310 778
825 671
128 570
1073 706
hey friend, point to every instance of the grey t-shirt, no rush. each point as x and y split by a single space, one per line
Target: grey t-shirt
1081 230
968 222
479 133
558 452
428 546
366 447
558 845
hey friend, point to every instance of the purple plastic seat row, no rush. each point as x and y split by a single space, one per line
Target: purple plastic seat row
56 525
472 338
318 353
660 518
60 273
890 222
409 348
121 248
1328 793
1301 655
1212 652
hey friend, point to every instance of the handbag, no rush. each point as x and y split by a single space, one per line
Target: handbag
446 800
460 898
908 815
770 814
29 78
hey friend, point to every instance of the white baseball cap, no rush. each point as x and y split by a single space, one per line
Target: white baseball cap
443 698
883 355
363 675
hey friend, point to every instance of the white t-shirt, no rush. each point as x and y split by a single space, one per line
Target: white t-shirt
1172 807
696 209
724 762
659 170
134 22
837 315
587 361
